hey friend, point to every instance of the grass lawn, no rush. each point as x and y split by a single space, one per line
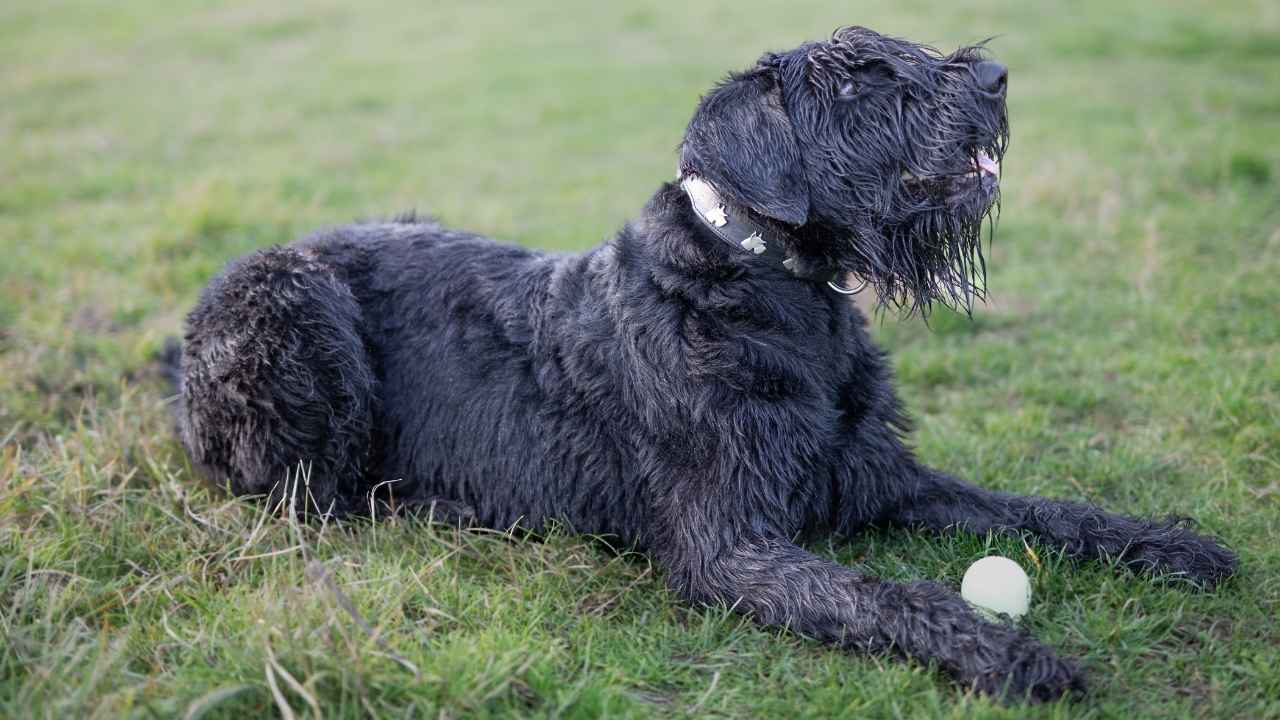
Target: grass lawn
1130 356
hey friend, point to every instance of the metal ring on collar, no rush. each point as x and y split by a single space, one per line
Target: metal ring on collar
846 291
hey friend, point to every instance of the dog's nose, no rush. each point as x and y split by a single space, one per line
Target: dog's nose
991 76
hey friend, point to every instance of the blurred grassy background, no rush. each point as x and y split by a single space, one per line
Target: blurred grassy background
1131 355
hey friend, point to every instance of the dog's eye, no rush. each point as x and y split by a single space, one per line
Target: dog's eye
848 89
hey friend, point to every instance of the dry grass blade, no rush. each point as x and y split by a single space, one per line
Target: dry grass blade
319 574
202 705
281 703
293 684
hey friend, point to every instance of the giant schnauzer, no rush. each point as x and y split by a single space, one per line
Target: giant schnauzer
699 387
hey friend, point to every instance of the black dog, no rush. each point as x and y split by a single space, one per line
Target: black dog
698 387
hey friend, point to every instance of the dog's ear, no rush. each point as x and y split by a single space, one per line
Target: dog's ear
741 140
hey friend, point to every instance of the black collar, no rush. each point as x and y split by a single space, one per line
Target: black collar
736 226
733 224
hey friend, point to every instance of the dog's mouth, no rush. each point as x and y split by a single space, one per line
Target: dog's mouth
979 171
984 164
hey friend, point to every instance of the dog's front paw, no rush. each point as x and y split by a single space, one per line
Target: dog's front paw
993 657
1173 552
1032 672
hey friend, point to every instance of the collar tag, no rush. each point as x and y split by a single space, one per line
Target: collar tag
756 244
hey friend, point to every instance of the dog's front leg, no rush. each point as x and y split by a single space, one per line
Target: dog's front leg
938 501
712 559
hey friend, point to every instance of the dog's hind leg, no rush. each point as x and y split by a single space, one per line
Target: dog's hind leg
275 378
938 501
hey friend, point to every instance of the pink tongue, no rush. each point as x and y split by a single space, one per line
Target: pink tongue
987 164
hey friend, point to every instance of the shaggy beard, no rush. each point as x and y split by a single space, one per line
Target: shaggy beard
937 259
934 256
928 248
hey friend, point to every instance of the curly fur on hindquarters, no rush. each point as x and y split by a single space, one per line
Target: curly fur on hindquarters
275 374
693 400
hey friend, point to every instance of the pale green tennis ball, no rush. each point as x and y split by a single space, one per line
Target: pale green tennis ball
997 584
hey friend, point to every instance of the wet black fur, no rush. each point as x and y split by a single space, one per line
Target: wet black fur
668 389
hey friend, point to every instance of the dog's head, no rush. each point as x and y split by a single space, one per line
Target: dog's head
881 155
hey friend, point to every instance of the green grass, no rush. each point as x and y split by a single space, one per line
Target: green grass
1131 355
